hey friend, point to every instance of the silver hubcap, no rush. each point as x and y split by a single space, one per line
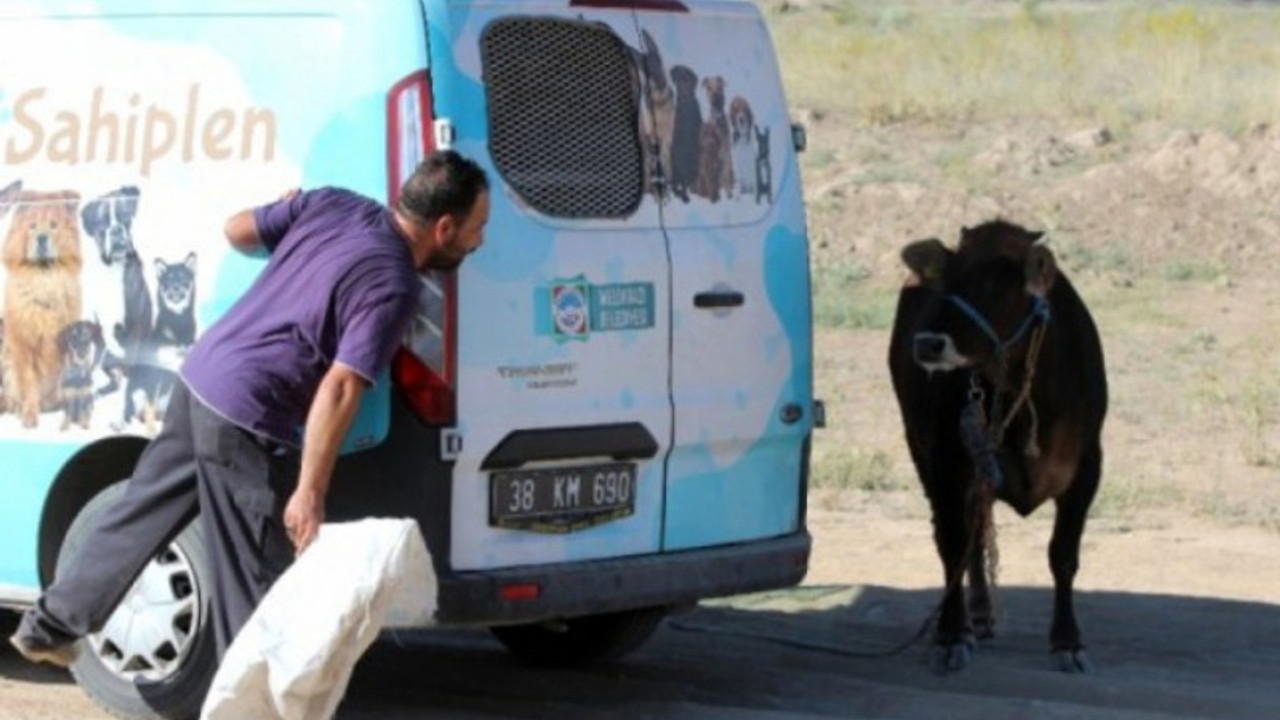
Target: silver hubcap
152 630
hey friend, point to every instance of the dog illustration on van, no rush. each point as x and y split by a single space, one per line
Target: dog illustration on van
81 345
42 262
151 377
125 299
709 154
657 112
742 145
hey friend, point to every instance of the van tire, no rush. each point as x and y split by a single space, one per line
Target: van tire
582 640
179 694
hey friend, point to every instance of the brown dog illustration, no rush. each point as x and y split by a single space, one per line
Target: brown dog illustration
42 294
742 143
715 164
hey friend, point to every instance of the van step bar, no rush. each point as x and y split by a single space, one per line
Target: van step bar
621 441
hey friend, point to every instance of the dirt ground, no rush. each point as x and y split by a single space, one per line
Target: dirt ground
1180 619
1173 237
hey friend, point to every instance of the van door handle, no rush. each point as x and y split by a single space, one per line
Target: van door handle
719 299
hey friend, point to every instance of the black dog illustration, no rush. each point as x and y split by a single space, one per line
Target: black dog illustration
82 346
134 331
175 324
764 171
685 148
108 219
152 378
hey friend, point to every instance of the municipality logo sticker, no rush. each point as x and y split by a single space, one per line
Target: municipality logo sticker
570 309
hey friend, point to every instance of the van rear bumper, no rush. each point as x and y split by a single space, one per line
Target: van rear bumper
601 586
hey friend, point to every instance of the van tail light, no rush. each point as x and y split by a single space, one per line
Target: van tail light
424 367
517 592
427 393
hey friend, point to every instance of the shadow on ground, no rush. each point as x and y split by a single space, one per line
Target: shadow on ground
818 652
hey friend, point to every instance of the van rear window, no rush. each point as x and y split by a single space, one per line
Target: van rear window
563 102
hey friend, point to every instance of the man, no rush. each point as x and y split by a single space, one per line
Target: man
297 350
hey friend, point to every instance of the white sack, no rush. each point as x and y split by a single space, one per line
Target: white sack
293 659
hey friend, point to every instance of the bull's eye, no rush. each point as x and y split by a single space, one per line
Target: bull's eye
53 224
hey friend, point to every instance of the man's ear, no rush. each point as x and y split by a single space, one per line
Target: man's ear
443 228
928 260
1041 269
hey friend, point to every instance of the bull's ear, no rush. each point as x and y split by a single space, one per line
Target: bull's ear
1041 269
927 259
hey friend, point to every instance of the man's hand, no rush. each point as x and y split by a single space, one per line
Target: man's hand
332 410
302 518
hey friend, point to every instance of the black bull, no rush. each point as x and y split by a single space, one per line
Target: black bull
999 375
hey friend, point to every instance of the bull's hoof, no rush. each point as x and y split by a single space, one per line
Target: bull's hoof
1075 662
954 657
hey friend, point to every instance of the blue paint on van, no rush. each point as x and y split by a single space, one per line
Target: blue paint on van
37 464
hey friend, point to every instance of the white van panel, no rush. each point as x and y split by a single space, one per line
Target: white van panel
741 339
561 324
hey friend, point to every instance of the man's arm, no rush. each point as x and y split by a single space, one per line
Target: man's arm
242 232
330 417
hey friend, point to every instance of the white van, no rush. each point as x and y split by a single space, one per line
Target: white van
605 414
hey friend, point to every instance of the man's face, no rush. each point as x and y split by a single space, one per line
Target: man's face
457 240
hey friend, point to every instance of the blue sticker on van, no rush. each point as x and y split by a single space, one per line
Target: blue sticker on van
572 308
622 306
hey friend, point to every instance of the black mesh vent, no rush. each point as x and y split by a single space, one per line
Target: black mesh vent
563 102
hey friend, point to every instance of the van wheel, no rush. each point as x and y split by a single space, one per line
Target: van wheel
582 640
155 657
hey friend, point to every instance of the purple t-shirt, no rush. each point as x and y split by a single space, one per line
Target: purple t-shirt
340 287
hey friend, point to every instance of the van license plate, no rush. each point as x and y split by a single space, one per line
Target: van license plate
562 500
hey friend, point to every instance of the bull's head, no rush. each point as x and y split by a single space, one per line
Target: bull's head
988 294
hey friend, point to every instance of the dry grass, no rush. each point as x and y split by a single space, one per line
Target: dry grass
1194 426
1196 64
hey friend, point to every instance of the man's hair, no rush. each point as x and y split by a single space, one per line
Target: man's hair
445 183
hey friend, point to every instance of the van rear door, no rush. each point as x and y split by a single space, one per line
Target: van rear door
563 317
741 343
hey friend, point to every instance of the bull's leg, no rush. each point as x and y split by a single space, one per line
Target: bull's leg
981 560
953 636
981 611
1068 653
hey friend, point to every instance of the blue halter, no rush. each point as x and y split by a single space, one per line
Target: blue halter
974 432
1039 313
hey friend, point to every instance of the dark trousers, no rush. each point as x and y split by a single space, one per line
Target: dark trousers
199 462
